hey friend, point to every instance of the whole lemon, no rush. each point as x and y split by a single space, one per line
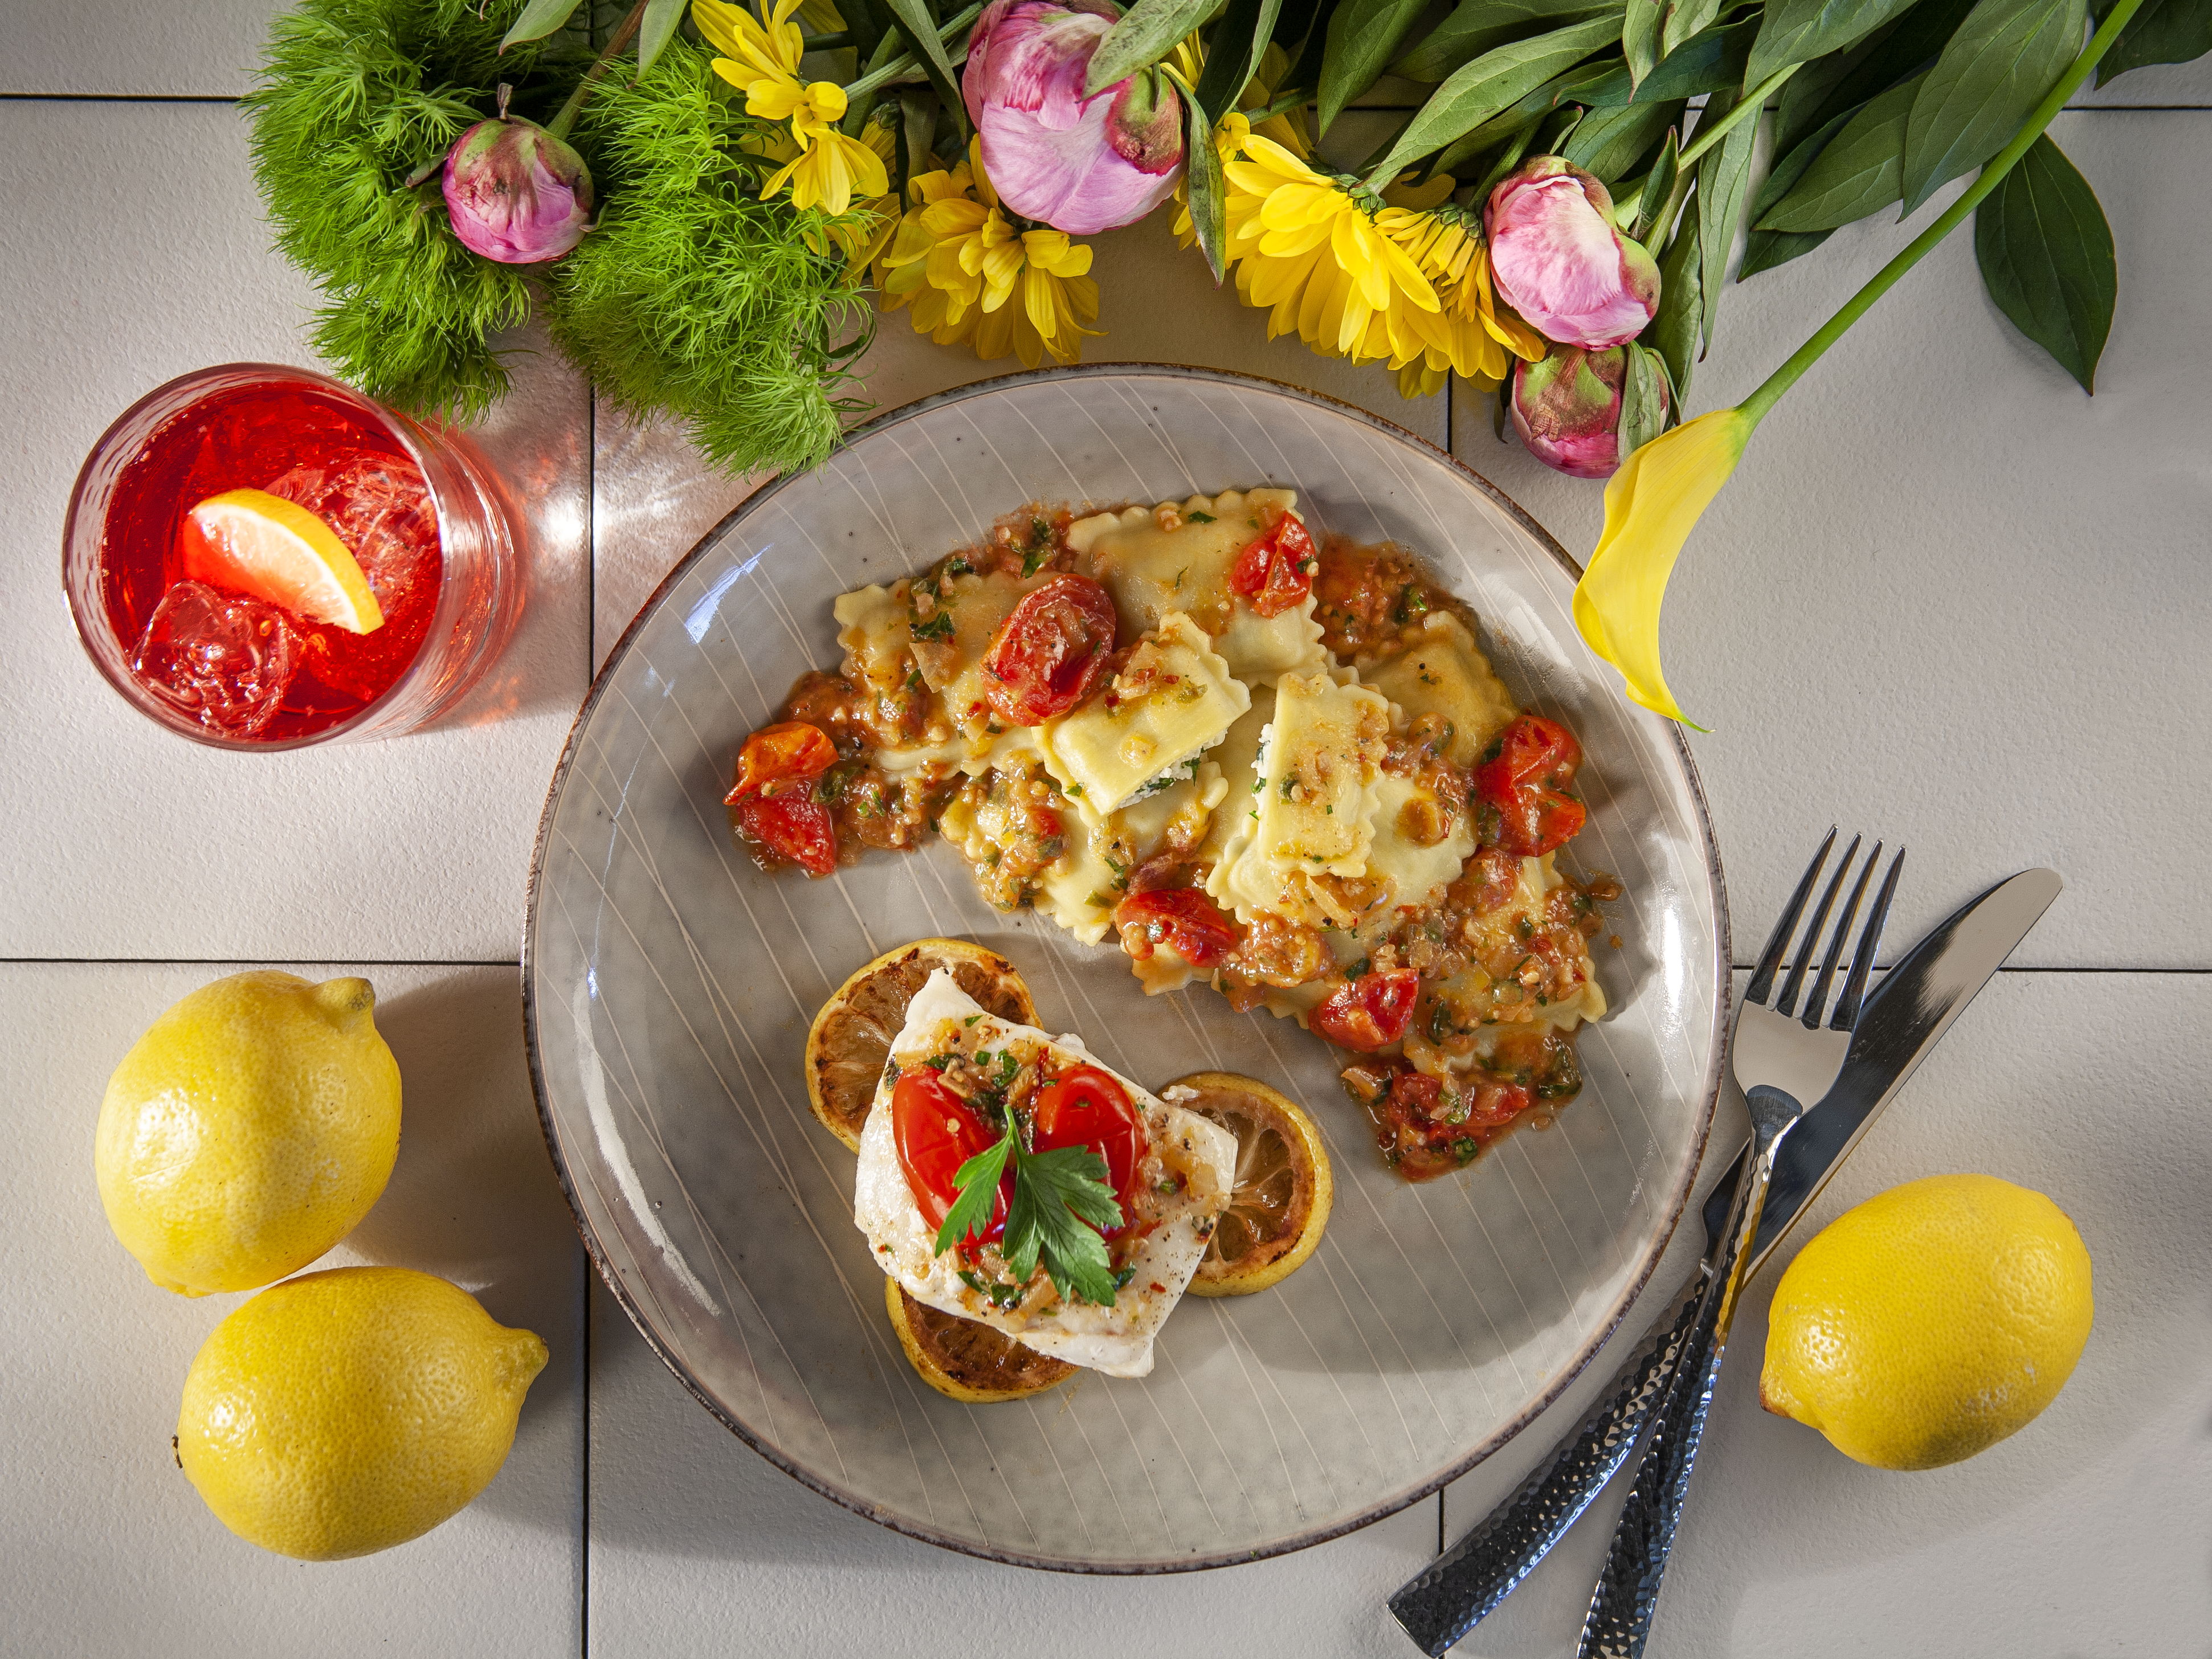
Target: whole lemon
344 1412
1930 1322
248 1131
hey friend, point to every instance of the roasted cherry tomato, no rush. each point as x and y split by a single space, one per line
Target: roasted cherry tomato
936 1132
1276 572
1085 1107
1372 1013
794 827
1183 919
782 760
1050 651
1525 781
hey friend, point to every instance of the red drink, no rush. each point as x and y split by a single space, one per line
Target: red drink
233 668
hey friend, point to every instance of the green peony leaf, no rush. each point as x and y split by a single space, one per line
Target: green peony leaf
1798 31
1680 318
1203 177
1870 69
1686 20
1475 27
1763 250
1233 52
1643 400
1639 37
1609 142
1479 90
2005 57
1146 33
2163 32
2046 257
1857 173
1724 178
1363 35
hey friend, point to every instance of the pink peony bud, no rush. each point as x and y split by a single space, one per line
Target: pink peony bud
1079 164
516 193
1566 407
1559 262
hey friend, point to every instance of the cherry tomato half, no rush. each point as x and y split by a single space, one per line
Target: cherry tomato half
794 827
778 759
1526 780
935 1132
1050 651
1372 1013
1182 919
1085 1107
1276 572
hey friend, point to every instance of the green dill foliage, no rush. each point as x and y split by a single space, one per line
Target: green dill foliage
694 298
354 96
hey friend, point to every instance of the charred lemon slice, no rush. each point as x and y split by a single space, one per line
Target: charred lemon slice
965 1360
1283 1189
852 1036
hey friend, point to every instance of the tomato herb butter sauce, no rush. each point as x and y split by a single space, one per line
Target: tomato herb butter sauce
1281 768
957 1076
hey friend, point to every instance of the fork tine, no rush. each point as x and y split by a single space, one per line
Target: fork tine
1762 977
1816 1001
1787 1002
1847 1006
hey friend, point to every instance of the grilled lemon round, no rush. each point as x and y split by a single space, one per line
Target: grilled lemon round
1282 1190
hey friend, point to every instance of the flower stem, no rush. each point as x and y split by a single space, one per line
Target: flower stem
1746 108
906 63
559 125
1769 391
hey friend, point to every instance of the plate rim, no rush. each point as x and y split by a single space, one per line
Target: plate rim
1677 1201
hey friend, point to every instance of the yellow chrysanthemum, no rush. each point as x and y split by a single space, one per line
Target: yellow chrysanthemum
1468 334
966 271
830 167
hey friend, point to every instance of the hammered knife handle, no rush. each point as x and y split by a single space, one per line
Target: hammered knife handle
1468 1581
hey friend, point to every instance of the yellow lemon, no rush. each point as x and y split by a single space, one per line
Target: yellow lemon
344 1412
248 1131
1930 1322
251 542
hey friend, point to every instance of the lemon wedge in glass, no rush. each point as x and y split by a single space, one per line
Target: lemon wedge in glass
251 542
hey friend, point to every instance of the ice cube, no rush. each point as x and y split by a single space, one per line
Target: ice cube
223 659
380 508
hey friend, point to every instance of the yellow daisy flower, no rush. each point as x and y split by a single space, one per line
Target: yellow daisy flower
830 167
966 271
1468 334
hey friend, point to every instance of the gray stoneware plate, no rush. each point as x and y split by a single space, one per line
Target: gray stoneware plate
669 984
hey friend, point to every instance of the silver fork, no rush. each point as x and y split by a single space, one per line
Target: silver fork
1784 1061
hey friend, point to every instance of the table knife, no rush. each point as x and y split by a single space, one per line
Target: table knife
1905 1018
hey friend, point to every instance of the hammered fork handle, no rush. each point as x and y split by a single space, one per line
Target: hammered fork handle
1619 1619
1470 1579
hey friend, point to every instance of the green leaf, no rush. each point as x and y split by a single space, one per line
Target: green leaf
2005 57
1675 328
1477 26
1658 191
1233 52
1609 142
1639 37
1723 179
1146 33
1763 250
1055 1193
2046 257
1785 173
1363 35
539 19
661 17
2163 32
1643 402
920 28
1872 69
1856 174
1519 120
1713 62
1685 19
1493 81
1798 31
1203 177
977 1182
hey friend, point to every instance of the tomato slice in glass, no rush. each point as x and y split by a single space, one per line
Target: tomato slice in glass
1276 572
935 1132
794 827
1085 1107
778 758
1372 1013
1182 919
1050 651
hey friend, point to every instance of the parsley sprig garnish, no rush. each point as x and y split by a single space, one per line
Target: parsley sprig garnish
1055 1193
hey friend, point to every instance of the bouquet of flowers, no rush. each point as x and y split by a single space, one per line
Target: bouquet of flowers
1553 218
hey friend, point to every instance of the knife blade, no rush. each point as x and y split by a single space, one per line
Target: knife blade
1904 1017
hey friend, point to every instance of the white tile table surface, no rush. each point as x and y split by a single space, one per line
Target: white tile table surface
1948 598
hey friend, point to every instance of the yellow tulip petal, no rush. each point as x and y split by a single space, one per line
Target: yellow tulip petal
1651 505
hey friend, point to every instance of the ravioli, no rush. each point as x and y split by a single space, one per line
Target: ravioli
1152 571
1117 1339
1446 674
1173 700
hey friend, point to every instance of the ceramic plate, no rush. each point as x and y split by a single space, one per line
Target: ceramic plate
669 985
